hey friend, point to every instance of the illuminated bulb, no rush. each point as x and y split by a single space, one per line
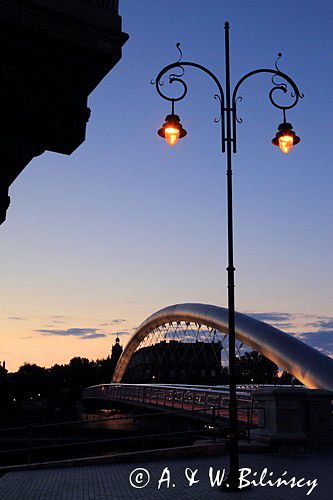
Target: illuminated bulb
172 130
286 142
171 135
285 137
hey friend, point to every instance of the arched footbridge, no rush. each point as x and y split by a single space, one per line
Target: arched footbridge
311 367
205 323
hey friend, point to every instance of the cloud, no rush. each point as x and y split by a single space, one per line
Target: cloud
56 319
271 316
314 330
113 322
82 333
93 336
322 340
119 334
280 320
283 325
323 324
16 318
295 321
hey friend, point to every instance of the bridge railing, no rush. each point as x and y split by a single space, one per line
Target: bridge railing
201 401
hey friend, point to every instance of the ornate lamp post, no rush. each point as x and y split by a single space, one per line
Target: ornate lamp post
285 138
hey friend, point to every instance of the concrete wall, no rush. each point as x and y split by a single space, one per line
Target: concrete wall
294 418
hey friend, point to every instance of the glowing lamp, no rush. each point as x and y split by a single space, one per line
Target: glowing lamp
285 137
171 135
286 142
172 129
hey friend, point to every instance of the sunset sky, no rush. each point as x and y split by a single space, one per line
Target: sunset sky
97 241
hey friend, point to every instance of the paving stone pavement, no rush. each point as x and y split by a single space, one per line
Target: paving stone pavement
105 482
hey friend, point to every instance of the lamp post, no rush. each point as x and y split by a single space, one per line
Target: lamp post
285 138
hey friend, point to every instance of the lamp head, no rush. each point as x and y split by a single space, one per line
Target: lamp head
172 129
285 138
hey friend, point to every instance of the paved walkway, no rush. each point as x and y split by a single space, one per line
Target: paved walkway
104 482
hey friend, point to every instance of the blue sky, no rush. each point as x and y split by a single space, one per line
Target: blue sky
128 225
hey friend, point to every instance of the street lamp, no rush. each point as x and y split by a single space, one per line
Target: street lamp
172 129
285 138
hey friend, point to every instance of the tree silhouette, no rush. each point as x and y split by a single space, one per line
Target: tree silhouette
253 367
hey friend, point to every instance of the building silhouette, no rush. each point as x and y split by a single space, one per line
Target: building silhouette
116 351
53 55
176 362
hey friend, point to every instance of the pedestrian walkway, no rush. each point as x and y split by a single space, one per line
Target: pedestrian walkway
104 482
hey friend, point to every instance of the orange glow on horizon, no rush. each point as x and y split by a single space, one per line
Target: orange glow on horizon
171 135
286 142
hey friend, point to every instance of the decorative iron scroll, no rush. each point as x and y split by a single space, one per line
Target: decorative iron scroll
178 74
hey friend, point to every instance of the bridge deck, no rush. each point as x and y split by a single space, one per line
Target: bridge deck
198 402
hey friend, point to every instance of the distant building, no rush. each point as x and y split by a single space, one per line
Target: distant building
3 385
116 351
176 362
3 370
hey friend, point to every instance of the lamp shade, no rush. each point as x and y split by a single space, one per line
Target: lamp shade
172 129
285 138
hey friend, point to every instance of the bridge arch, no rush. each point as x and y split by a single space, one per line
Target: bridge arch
311 367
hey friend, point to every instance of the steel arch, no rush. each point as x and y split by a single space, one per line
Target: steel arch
311 367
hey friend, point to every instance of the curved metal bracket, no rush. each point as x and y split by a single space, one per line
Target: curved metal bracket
178 77
278 86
